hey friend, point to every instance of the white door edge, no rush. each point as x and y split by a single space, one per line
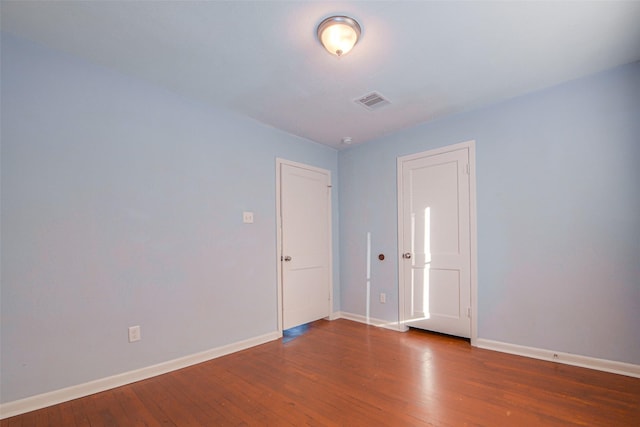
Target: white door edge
279 163
470 146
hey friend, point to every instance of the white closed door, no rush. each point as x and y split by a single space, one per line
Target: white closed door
435 256
305 243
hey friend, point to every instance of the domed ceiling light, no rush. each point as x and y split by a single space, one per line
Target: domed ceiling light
338 34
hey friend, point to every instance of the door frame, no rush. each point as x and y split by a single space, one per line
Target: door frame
279 253
473 240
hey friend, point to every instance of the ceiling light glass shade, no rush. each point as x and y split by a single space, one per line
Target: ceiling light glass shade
338 34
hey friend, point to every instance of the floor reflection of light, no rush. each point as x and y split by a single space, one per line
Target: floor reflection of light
428 377
295 332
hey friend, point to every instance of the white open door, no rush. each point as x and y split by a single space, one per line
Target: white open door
305 243
435 216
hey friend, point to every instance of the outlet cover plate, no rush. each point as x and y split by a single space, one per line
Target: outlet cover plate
134 333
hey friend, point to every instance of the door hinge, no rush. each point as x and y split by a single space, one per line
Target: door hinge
469 312
467 169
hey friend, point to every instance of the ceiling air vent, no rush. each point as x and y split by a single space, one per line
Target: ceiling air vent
373 101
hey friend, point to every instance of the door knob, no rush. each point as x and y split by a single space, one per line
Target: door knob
406 255
287 258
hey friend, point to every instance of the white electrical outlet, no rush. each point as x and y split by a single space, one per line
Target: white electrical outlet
383 297
134 333
247 217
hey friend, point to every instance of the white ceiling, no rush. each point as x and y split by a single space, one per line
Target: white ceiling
263 60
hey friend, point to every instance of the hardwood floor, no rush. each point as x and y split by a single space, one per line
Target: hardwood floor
349 374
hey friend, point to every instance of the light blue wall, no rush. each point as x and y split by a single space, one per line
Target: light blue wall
558 215
122 205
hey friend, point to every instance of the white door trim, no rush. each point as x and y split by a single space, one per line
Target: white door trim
279 163
470 146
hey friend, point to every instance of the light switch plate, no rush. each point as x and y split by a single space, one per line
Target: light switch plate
247 217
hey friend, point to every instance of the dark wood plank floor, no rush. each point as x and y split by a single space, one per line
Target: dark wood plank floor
349 374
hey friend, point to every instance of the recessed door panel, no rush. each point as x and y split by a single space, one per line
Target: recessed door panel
444 293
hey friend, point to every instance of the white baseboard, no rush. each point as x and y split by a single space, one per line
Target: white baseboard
614 367
39 401
394 326
604 365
